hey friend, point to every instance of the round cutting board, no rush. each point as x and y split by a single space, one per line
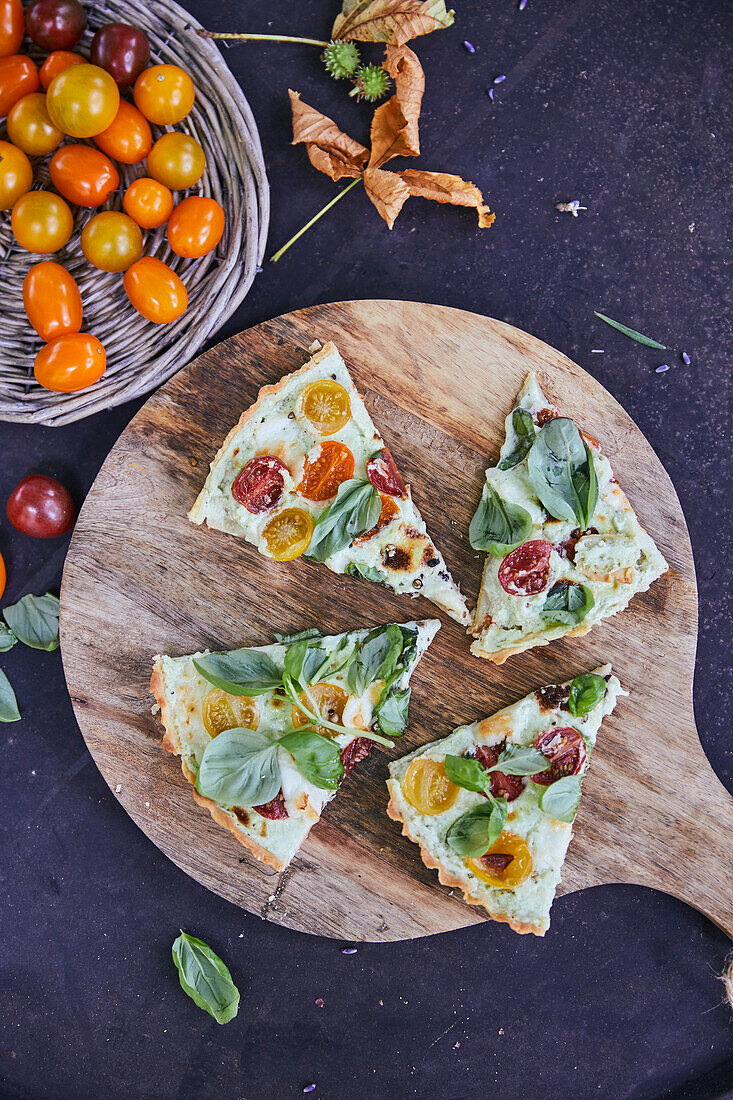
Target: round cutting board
140 580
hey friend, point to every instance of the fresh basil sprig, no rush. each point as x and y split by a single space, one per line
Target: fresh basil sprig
355 510
562 472
240 672
375 659
317 757
586 691
205 978
567 602
8 703
311 632
524 430
34 620
366 572
497 525
472 834
7 638
561 799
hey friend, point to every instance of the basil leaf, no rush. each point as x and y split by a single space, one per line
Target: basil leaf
586 691
355 510
567 602
521 760
560 800
375 659
8 703
7 638
310 632
472 834
523 425
498 526
35 621
366 572
631 332
205 978
562 472
466 772
303 662
317 757
391 712
240 768
240 671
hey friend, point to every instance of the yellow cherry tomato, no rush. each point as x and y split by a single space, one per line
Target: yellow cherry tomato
70 363
41 221
496 868
82 100
227 712
16 175
164 94
30 128
329 699
111 241
288 534
323 407
427 787
176 160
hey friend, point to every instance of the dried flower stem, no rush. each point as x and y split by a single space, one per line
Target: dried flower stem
314 219
262 37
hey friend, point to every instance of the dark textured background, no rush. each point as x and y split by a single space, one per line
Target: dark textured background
624 105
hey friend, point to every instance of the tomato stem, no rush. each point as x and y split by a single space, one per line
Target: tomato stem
326 208
261 37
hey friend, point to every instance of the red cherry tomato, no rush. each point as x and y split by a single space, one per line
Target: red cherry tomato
122 50
355 751
70 363
83 175
148 203
111 241
41 222
274 810
41 507
164 94
526 570
564 748
18 77
128 138
195 227
2 575
56 62
82 100
12 27
52 300
16 175
384 475
260 484
155 290
55 24
324 472
502 785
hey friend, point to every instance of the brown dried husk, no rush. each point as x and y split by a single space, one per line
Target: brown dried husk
393 21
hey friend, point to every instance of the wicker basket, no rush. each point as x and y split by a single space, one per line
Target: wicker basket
141 355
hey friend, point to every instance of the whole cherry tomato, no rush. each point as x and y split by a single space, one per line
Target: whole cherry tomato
16 175
195 226
41 222
70 363
82 100
30 128
83 175
56 62
52 300
2 575
111 241
18 77
148 203
55 24
12 27
155 290
41 507
128 138
122 50
177 160
164 94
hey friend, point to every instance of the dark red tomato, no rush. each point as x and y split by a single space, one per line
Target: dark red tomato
564 748
41 507
274 810
502 786
526 570
260 484
55 24
355 751
566 549
122 50
384 475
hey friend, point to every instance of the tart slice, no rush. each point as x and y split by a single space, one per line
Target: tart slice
492 805
564 546
267 734
305 472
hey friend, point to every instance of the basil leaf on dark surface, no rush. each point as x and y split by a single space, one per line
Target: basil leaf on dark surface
7 638
631 332
497 525
567 602
466 772
391 712
240 768
521 760
310 633
317 757
586 691
375 659
8 703
562 472
240 671
560 800
205 978
34 621
366 572
524 430
472 834
355 510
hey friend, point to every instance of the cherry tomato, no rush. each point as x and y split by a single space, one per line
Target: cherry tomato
70 363
288 534
2 575
195 227
506 864
122 50
55 24
56 62
526 570
389 511
83 175
502 785
12 27
30 128
82 100
330 700
384 475
41 507
324 472
16 174
41 222
148 203
128 138
52 300
260 484
155 291
111 241
18 77
426 786
323 407
177 160
354 752
228 712
275 809
564 748
164 94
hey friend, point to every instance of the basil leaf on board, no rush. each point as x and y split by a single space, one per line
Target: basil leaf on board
631 332
472 834
240 671
586 691
355 510
366 572
34 621
310 632
521 760
466 772
567 602
524 430
240 768
560 800
498 526
205 978
375 659
7 638
562 472
317 757
391 712
8 703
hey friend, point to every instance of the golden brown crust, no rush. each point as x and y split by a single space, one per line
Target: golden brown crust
500 657
157 688
221 817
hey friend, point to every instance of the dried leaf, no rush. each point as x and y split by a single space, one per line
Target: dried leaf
387 191
330 150
395 124
393 21
442 187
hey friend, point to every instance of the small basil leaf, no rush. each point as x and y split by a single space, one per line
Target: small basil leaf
240 768
7 638
567 602
205 978
240 671
562 472
560 800
304 662
472 834
523 426
8 703
310 633
521 760
317 757
35 621
466 772
355 510
586 691
391 712
375 659
366 572
498 526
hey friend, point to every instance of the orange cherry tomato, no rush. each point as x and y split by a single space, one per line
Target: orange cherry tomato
18 77
52 300
155 290
195 227
41 222
506 864
70 363
324 472
222 712
128 138
330 700
16 175
83 175
177 160
111 241
323 407
12 29
288 534
56 62
30 128
148 203
2 575
426 786
82 100
164 94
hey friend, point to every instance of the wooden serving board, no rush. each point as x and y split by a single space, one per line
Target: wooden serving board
140 579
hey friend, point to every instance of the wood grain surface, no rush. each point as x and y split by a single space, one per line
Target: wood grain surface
140 579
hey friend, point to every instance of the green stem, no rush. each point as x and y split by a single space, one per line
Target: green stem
326 208
262 37
290 690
